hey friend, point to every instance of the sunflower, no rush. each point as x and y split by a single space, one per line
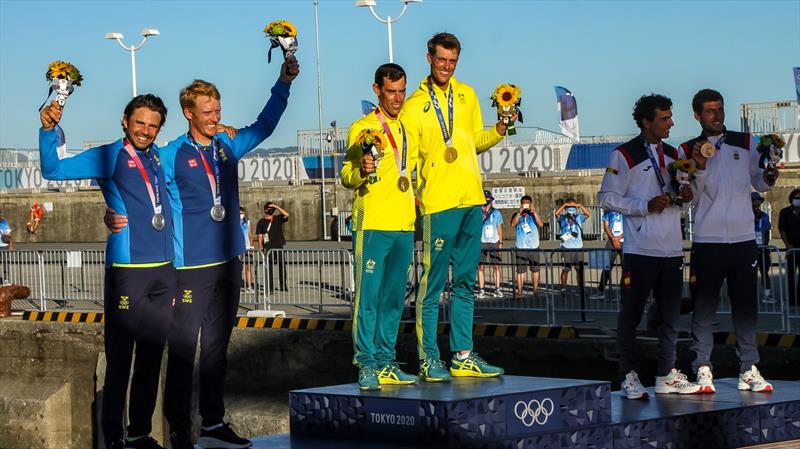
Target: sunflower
63 70
291 31
683 165
280 28
368 137
777 140
506 95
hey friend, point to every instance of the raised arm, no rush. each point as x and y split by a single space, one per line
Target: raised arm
93 163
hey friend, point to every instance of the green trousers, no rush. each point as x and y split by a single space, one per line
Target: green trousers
453 235
382 260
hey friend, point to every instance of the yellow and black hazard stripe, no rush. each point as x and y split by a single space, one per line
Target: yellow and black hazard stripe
294 323
762 339
64 317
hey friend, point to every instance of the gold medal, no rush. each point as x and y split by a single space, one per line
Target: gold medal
402 183
450 155
707 150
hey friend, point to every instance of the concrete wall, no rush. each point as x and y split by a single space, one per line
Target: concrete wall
77 216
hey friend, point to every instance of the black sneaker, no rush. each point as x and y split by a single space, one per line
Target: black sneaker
222 437
180 440
146 442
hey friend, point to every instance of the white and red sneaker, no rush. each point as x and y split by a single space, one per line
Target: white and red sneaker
632 388
705 380
753 381
676 382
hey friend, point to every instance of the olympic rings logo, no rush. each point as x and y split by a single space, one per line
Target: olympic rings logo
534 411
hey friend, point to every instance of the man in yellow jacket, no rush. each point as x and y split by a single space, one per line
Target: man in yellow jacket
383 228
444 115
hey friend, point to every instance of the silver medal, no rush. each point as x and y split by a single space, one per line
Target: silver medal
218 212
158 222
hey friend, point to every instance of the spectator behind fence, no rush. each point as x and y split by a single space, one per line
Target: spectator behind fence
612 226
789 227
270 236
762 227
247 257
491 242
526 223
34 219
571 215
6 244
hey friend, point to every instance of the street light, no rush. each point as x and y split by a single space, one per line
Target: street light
388 20
147 32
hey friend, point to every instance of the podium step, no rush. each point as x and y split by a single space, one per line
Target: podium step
463 412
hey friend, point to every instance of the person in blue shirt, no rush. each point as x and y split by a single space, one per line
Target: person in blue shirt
6 244
762 228
247 256
571 215
491 241
612 226
526 223
140 281
201 171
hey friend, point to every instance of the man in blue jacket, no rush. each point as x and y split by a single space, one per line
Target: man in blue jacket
140 280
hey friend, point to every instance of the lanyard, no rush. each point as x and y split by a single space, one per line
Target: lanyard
154 193
213 176
719 143
445 133
656 166
401 163
488 215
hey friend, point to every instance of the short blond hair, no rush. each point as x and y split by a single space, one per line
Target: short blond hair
198 87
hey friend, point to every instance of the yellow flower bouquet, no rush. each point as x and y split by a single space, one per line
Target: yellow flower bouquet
371 142
62 77
507 98
770 147
283 34
682 171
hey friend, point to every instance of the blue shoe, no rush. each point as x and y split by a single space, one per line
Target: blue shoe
368 379
391 374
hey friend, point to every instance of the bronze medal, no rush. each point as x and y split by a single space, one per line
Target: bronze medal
450 155
707 150
402 183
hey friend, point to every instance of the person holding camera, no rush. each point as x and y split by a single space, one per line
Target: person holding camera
491 242
526 223
270 236
571 215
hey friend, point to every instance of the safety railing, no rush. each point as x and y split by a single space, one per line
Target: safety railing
571 285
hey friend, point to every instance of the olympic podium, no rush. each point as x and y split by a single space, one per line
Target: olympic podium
529 412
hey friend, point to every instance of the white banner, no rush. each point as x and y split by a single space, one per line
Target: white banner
31 178
791 152
524 158
272 168
507 197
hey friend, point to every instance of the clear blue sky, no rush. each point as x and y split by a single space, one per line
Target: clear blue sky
607 53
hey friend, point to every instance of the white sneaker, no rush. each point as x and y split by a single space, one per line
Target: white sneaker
768 298
752 380
632 388
481 294
705 380
498 294
676 382
598 295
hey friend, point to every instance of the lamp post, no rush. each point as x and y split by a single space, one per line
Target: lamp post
321 136
147 32
388 20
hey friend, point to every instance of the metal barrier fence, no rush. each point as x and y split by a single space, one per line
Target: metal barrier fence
572 284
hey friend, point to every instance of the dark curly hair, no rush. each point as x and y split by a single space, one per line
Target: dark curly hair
705 96
148 101
646 105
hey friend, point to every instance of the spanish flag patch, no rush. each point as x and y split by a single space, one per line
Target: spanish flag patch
626 280
613 171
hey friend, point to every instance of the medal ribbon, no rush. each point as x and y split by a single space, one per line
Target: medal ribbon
656 165
155 195
445 133
401 163
213 176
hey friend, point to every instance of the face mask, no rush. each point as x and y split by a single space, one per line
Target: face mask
526 206
796 203
572 210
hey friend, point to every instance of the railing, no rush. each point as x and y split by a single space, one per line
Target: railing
770 117
318 280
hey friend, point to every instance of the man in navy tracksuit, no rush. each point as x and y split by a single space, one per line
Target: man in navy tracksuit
202 180
140 280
